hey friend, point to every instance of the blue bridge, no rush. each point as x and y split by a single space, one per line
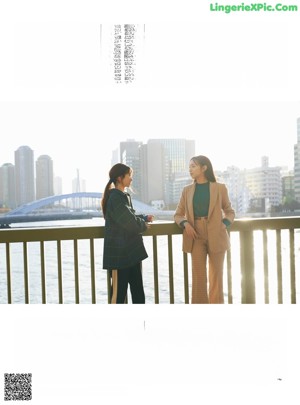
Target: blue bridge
71 200
80 205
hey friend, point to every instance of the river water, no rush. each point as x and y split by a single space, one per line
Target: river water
101 280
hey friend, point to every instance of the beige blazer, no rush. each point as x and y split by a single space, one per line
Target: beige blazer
219 208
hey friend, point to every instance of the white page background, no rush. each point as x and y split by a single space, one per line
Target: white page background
151 354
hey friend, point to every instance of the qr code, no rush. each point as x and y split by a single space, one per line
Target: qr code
17 387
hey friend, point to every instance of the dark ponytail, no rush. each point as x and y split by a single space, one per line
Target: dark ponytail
118 170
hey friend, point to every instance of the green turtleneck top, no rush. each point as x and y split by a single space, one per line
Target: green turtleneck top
201 200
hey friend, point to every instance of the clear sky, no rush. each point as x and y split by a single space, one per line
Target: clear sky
229 81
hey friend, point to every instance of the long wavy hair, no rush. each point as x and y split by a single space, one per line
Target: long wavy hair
204 161
118 170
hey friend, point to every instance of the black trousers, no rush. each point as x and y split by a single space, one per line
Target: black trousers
120 280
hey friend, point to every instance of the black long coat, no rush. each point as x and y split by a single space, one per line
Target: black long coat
123 241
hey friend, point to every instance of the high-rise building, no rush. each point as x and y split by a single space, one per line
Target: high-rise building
57 184
177 154
24 170
115 158
288 186
239 193
44 177
130 156
7 186
152 172
265 183
174 189
297 163
160 168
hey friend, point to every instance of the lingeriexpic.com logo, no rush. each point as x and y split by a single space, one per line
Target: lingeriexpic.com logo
252 7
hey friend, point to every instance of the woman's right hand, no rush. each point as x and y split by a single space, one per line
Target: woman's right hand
190 231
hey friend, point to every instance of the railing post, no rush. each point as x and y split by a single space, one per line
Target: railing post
108 279
266 267
60 273
76 272
247 267
26 273
155 269
43 272
279 266
229 276
93 274
186 278
8 274
171 278
292 266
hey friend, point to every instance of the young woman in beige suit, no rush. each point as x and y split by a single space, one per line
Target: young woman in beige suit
205 212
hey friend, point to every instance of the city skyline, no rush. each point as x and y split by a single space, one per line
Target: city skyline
164 163
68 175
92 155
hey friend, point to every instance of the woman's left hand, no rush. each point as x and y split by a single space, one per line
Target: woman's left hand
150 218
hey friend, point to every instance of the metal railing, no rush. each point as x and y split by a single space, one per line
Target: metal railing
249 262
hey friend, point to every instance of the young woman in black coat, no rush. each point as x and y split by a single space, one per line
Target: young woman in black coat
124 249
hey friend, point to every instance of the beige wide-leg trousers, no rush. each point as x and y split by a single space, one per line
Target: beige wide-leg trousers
203 292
